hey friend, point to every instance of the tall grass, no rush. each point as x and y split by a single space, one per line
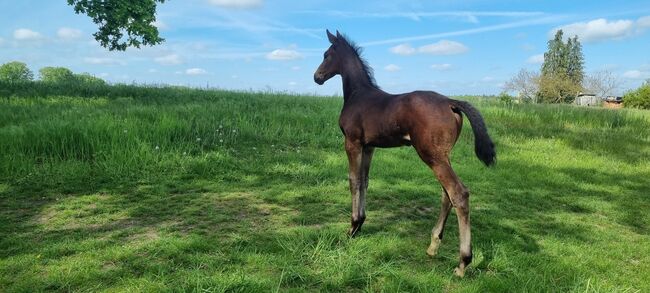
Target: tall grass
132 188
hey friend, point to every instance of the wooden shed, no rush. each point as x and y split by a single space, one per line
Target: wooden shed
588 100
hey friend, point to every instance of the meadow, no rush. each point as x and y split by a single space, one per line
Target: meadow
132 188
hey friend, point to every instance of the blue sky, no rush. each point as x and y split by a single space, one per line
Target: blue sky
453 47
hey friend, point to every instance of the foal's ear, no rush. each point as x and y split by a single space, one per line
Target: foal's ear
338 35
331 37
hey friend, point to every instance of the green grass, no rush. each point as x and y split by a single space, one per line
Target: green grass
202 190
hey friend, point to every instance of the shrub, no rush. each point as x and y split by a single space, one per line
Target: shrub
56 75
87 78
505 98
13 72
639 98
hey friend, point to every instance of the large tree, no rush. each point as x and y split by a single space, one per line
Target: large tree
15 72
575 60
122 23
56 74
562 70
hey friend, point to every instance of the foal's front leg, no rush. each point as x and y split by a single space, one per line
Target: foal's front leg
359 165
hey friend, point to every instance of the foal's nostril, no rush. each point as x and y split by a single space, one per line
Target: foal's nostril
318 78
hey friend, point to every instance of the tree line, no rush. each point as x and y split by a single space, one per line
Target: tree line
18 72
562 78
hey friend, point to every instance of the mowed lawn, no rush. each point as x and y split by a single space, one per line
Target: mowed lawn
212 191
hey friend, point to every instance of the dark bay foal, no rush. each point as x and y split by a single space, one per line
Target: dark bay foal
428 121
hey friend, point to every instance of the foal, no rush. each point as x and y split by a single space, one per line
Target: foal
428 121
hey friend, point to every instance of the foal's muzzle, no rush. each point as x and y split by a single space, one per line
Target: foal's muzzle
319 78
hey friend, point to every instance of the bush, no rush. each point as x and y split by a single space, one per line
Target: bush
639 98
13 72
56 75
505 98
87 78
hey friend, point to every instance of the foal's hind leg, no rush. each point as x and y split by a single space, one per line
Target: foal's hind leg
436 233
459 197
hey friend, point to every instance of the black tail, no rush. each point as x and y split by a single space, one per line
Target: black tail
483 145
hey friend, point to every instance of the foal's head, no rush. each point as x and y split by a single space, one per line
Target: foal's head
342 57
331 64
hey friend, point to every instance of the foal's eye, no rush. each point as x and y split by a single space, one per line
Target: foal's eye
325 55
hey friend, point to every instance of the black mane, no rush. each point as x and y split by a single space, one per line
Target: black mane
358 51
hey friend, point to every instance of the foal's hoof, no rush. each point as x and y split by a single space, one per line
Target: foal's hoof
433 248
356 226
353 231
459 272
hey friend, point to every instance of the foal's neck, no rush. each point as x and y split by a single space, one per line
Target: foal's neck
355 79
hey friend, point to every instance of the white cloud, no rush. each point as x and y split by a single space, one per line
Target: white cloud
636 74
24 34
283 54
403 49
597 30
195 71
487 79
295 68
104 61
292 83
239 4
66 33
392 68
441 67
444 47
535 59
171 59
643 22
2 41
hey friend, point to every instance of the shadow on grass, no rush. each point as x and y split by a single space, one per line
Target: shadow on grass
258 228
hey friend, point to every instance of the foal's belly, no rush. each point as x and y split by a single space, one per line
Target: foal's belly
389 141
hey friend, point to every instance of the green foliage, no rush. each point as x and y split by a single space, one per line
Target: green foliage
562 70
558 88
556 57
56 75
575 62
15 72
117 17
639 98
87 78
505 98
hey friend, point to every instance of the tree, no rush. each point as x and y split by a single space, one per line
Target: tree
601 83
525 83
555 59
56 75
575 60
15 72
117 17
557 88
562 70
639 98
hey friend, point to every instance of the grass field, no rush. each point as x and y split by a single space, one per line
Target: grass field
212 191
